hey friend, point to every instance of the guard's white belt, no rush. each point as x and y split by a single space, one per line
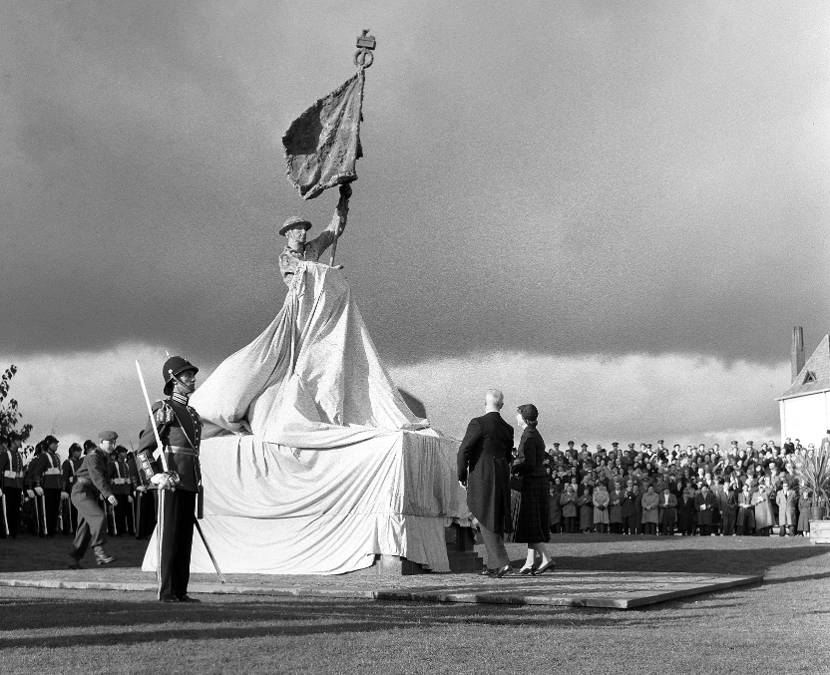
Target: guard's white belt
52 471
12 474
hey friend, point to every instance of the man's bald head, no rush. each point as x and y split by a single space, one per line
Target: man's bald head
493 400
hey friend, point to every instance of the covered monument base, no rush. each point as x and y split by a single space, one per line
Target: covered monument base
270 509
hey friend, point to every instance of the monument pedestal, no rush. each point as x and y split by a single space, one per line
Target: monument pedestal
460 554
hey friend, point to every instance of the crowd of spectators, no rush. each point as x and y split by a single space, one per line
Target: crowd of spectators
659 490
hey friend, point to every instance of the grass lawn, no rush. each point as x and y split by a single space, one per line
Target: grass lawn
781 627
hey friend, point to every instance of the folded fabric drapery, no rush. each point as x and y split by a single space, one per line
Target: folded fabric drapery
311 379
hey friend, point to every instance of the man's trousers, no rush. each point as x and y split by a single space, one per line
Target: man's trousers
92 521
177 511
496 552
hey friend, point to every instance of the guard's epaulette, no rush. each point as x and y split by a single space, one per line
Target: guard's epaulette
163 414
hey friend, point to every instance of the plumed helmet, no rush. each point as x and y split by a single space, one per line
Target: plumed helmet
172 368
294 221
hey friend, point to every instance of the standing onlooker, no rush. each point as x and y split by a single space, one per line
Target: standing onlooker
687 512
484 470
615 499
746 510
668 512
533 526
569 512
554 505
650 502
631 510
729 508
805 505
786 500
705 506
601 501
764 519
586 509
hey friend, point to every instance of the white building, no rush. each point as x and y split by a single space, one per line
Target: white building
805 405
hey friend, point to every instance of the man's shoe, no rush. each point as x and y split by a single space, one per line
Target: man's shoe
502 571
187 598
485 572
74 562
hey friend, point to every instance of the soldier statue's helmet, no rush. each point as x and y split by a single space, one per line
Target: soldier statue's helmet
172 368
292 222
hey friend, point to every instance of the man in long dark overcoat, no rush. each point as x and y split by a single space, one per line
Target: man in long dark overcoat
484 470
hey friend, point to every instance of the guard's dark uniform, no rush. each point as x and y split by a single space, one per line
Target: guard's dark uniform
91 484
11 479
45 472
69 513
180 430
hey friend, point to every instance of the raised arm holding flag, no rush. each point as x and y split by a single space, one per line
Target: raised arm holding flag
322 147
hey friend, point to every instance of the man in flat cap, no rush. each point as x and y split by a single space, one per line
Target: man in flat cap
298 249
178 479
91 483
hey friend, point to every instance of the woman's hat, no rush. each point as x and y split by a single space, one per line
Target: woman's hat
528 412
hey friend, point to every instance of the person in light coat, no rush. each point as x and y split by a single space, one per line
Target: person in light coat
650 502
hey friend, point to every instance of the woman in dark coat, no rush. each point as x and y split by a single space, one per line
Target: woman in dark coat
533 525
805 504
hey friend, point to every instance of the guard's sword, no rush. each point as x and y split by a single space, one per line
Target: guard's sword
5 515
43 510
209 552
159 453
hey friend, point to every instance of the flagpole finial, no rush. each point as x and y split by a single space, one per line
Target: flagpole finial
363 57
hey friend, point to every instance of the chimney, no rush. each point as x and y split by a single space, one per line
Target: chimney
797 352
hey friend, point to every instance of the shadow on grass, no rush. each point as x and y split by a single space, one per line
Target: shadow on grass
105 623
691 560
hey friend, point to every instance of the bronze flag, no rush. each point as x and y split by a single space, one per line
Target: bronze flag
323 144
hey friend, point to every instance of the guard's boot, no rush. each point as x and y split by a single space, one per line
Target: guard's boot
101 557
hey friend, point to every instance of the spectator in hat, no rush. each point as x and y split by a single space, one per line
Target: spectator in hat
533 526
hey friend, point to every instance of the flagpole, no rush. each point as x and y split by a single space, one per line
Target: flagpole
363 59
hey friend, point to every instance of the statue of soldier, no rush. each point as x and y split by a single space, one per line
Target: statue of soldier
298 249
91 484
178 478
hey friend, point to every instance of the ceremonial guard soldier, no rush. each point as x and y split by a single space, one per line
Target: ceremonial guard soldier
145 502
122 487
177 476
11 484
45 485
92 484
69 471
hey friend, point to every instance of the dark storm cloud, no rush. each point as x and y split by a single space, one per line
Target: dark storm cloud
562 179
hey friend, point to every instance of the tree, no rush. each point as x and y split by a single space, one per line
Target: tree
9 413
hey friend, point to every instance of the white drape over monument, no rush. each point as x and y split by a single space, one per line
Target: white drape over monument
313 463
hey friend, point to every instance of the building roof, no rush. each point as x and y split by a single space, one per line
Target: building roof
814 377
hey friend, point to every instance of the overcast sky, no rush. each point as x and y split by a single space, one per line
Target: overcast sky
552 193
